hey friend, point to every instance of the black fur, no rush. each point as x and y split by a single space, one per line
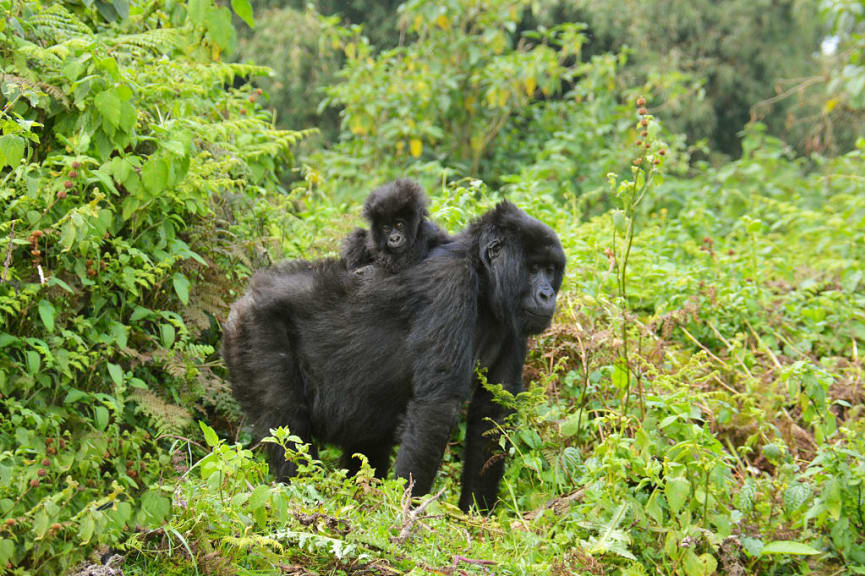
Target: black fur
367 364
400 233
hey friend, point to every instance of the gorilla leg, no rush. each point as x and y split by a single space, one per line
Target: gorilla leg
482 470
266 379
482 467
428 426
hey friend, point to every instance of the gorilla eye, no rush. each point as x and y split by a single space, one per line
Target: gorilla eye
400 225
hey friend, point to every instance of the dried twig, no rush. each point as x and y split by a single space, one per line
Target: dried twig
410 517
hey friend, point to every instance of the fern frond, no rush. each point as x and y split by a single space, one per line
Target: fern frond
56 24
166 418
156 40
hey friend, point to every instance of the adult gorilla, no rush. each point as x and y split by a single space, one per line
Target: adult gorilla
364 363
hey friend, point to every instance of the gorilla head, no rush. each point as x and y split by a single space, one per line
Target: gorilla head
400 234
523 263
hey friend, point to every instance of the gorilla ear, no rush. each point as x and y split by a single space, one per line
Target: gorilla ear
491 251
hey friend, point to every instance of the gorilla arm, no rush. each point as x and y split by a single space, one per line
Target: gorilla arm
442 345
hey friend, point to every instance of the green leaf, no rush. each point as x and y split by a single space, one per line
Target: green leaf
85 528
116 373
154 174
181 286
46 313
570 427
788 547
166 335
243 9
75 395
7 549
34 362
198 10
702 565
100 414
795 496
620 374
259 497
677 491
11 150
108 103
220 28
209 434
155 506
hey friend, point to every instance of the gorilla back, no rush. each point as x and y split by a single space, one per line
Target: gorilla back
391 359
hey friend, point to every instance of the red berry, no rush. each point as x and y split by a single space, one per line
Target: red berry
252 98
644 122
10 522
46 462
662 152
69 184
258 91
638 142
34 483
642 111
61 194
641 101
73 174
51 450
76 165
42 472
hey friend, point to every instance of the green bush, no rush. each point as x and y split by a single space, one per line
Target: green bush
122 150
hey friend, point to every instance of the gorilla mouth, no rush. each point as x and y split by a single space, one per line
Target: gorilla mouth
536 321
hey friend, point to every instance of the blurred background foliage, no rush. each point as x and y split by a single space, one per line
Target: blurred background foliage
155 153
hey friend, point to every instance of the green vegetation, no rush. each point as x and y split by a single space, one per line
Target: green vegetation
696 408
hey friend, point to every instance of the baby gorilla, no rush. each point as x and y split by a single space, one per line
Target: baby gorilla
400 234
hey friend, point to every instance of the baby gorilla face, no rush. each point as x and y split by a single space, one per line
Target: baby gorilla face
396 236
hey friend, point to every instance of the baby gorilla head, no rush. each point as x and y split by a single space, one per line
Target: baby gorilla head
395 212
400 234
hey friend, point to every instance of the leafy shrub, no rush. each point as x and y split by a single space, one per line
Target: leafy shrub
121 148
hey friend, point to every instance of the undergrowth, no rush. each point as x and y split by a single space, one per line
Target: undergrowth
696 407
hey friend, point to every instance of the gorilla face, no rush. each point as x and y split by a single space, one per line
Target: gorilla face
395 235
539 301
525 263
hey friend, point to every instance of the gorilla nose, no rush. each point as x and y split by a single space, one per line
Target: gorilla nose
546 295
394 240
